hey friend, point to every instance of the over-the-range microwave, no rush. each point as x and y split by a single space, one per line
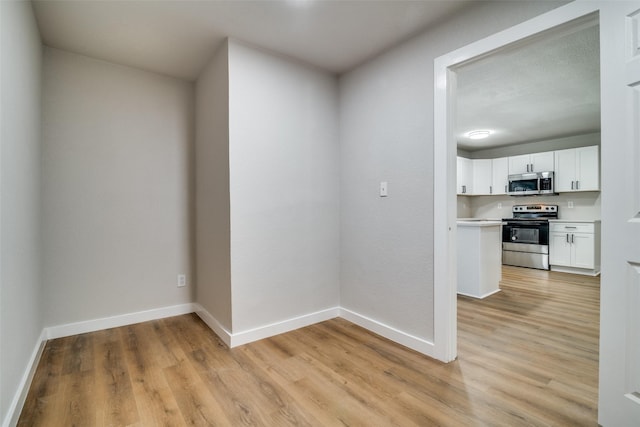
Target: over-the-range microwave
531 184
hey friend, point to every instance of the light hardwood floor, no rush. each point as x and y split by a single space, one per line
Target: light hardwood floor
528 356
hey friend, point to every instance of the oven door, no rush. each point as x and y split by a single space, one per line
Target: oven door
525 243
526 232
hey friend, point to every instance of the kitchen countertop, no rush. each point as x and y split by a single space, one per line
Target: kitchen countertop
478 222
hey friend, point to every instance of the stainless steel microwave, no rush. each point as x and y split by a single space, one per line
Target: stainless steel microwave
531 184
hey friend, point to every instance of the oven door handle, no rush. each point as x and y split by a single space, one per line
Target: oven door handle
525 224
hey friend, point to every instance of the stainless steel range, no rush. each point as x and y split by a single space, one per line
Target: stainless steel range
525 237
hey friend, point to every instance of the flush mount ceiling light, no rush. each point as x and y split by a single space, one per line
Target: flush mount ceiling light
479 134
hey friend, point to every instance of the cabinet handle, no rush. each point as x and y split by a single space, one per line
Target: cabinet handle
570 226
464 189
577 185
528 168
505 189
572 184
567 237
531 167
491 189
572 236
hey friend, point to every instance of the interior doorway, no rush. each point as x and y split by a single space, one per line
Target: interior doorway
447 68
526 100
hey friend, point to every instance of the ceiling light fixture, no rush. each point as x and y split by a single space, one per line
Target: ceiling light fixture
479 134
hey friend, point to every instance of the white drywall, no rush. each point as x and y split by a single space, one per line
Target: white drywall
117 196
212 189
20 251
283 154
386 134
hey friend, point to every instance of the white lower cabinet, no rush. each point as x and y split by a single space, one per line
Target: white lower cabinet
574 247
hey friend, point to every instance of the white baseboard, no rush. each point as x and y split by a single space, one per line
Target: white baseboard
575 270
481 296
116 321
15 408
415 343
245 337
213 323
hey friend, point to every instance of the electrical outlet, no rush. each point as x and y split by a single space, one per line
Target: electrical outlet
570 204
182 280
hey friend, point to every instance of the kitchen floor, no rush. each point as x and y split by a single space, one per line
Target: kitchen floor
537 343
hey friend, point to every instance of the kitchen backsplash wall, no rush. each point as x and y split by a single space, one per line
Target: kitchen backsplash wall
464 207
586 205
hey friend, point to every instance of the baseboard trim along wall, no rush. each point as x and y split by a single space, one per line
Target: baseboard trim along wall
245 337
415 343
213 324
11 419
116 321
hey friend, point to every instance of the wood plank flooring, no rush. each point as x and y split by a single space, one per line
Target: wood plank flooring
528 356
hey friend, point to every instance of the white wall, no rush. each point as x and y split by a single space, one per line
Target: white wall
284 189
20 248
386 134
212 189
117 199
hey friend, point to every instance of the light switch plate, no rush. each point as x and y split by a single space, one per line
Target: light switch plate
383 189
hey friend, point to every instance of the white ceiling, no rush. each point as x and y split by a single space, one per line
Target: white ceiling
546 88
178 37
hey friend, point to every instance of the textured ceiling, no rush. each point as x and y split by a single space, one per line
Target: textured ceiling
178 37
543 89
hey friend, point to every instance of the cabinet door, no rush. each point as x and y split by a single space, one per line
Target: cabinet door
560 249
499 175
464 173
542 162
588 168
583 248
519 164
482 177
565 170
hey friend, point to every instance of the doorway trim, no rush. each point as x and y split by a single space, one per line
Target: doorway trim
445 152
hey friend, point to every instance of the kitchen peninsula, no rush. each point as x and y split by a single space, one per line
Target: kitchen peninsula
479 257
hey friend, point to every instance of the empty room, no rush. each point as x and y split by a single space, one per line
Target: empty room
250 213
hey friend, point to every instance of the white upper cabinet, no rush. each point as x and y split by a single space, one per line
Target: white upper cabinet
536 162
482 177
500 175
577 169
465 176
